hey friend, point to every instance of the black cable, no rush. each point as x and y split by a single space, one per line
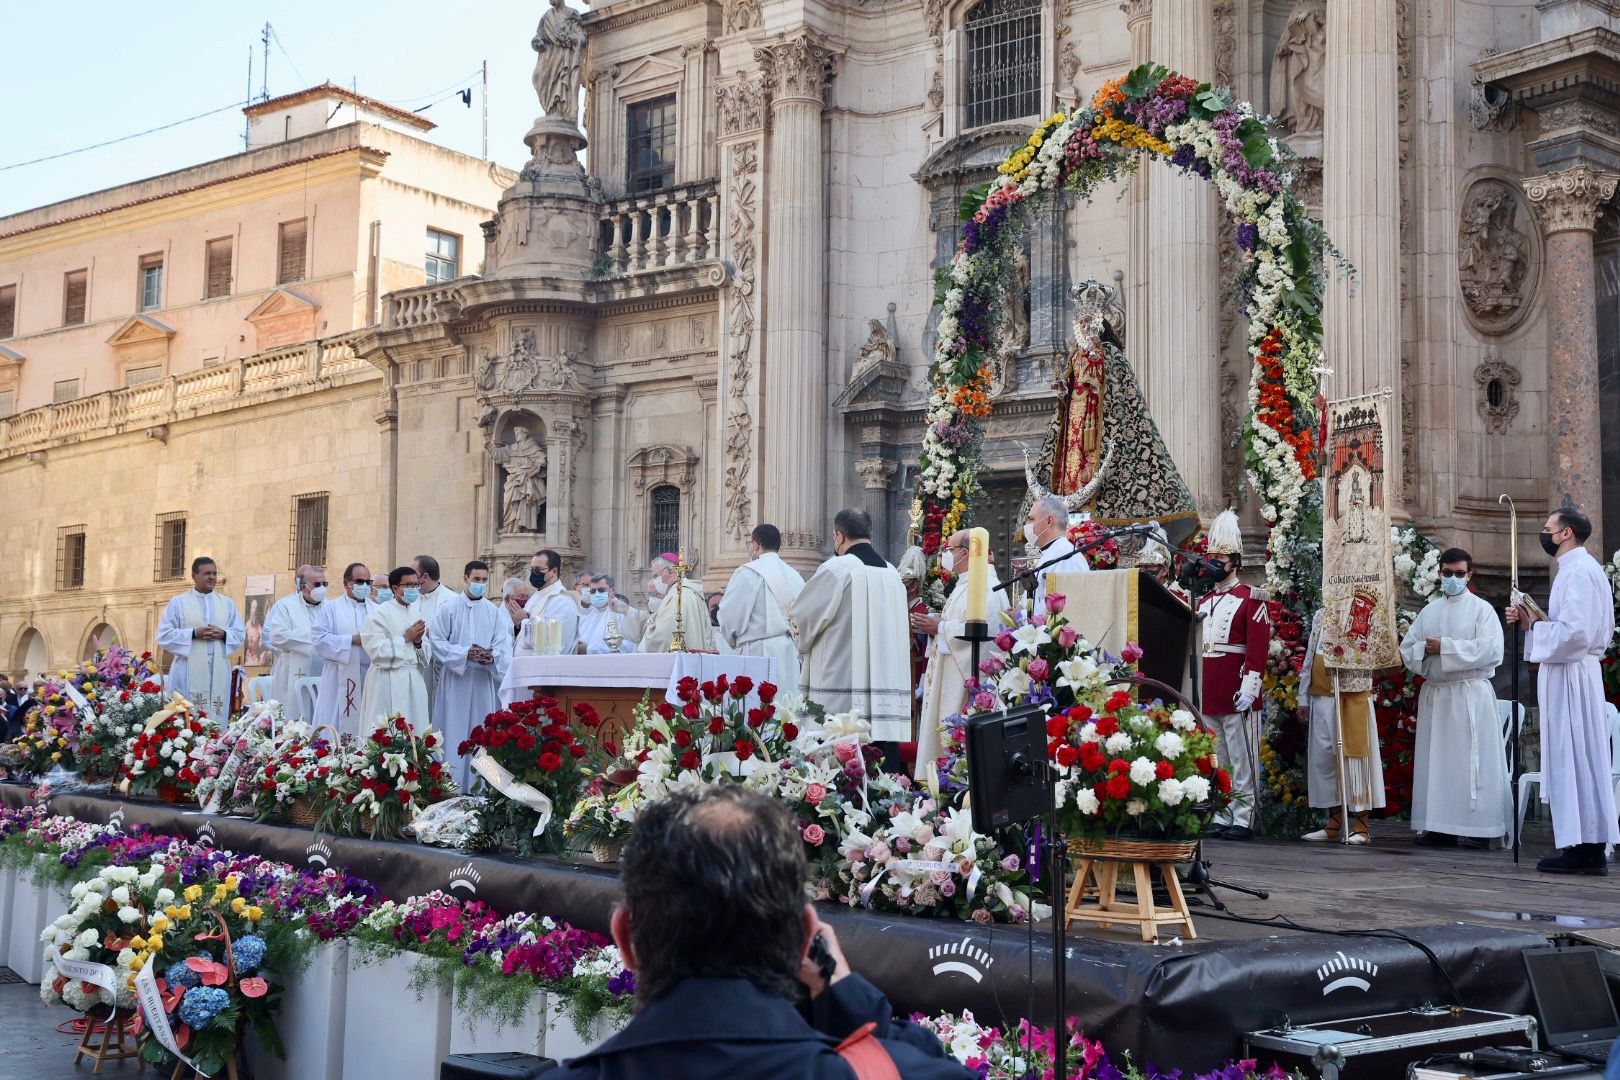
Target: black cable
121 138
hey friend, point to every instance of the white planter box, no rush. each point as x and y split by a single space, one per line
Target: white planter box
8 881
561 1040
311 1022
473 1033
387 1031
29 910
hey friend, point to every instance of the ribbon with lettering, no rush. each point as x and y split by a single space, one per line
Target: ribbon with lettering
82 970
157 1020
499 778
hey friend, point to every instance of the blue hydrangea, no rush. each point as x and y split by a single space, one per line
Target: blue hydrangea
180 975
201 1004
248 952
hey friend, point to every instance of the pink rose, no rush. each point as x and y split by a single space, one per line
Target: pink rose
947 888
902 845
990 666
814 835
1004 641
879 852
1010 864
845 751
1131 653
1039 670
1055 602
1067 636
980 915
984 700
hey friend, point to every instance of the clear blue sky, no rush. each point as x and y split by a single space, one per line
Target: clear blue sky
83 74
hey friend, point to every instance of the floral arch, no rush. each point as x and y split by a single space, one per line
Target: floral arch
1150 112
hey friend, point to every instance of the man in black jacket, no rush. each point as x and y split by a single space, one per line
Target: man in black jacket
717 931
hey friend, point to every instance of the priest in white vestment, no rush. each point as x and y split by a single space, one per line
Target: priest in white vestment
854 633
552 599
1569 644
602 630
395 637
950 660
290 630
471 638
678 599
434 597
201 629
754 608
1046 530
343 662
1459 766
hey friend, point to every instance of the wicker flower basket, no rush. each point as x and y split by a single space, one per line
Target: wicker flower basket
302 810
606 851
1132 849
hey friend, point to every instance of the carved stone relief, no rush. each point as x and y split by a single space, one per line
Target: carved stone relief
1225 20
741 105
1497 382
1496 258
743 200
1490 108
796 67
1297 93
875 473
740 15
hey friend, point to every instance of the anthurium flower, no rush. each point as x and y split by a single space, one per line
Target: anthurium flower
253 987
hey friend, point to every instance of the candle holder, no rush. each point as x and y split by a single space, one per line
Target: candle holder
975 633
677 637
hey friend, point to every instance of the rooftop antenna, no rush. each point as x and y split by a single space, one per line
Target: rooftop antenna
483 100
264 76
246 122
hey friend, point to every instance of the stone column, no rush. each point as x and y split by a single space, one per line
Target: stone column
1139 18
875 474
795 390
1361 207
1183 361
1566 203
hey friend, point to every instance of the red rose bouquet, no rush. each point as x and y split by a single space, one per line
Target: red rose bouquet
537 744
387 778
159 758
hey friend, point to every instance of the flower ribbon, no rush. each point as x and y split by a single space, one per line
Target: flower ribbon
499 778
151 999
83 970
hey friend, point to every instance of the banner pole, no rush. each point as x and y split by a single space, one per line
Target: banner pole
1338 746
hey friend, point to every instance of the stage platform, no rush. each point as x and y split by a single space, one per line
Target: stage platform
1178 1002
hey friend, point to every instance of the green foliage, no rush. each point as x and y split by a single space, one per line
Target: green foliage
969 203
1143 78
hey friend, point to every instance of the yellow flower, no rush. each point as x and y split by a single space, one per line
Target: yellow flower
185 913
255 913
192 894
220 893
137 942
231 882
155 942
238 904
172 912
160 924
138 962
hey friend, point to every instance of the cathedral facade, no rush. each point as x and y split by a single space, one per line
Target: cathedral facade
708 299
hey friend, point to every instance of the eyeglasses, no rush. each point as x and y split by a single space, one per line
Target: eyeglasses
1454 573
361 581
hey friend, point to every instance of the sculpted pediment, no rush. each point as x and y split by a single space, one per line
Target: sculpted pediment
285 317
138 329
976 151
282 302
882 383
647 69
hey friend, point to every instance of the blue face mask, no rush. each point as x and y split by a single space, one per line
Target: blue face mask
412 594
475 589
599 599
1453 586
362 591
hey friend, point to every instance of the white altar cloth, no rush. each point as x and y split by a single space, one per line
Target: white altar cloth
649 670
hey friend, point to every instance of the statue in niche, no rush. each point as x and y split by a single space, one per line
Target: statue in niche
878 348
560 42
1493 255
1015 308
523 491
1297 68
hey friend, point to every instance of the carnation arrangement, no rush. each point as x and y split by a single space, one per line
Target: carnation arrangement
105 736
226 764
158 760
387 778
107 917
298 767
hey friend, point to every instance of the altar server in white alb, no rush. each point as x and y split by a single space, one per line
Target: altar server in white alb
552 599
1046 531
1459 769
681 600
602 630
434 597
343 661
854 633
950 660
1568 644
290 630
1339 716
202 630
754 610
395 637
471 639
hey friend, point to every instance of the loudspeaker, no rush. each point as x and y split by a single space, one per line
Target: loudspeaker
503 1066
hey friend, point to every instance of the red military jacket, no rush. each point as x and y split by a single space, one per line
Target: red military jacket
1237 637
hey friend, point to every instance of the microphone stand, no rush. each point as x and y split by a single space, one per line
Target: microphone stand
1033 571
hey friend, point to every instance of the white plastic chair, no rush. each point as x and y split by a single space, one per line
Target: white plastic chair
258 688
308 692
1534 778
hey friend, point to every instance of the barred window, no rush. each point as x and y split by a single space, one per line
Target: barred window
1003 61
309 530
70 557
651 153
666 519
169 547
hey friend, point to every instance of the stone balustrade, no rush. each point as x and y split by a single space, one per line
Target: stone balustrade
659 229
295 367
420 306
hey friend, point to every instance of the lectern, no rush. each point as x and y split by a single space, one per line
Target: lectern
1111 607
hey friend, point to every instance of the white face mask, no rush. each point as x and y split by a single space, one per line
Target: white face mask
949 562
1029 533
318 593
659 587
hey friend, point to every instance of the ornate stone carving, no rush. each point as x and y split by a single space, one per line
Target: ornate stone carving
740 15
1569 199
523 484
875 473
878 347
576 432
741 226
1225 20
1582 116
1297 68
1497 382
560 42
1490 108
796 67
525 371
1136 9
741 105
1495 257
654 465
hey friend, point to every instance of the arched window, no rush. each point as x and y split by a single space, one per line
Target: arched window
1003 61
666 519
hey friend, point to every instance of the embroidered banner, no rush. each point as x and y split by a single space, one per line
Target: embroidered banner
1358 577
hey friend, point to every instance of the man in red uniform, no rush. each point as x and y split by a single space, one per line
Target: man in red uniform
1237 636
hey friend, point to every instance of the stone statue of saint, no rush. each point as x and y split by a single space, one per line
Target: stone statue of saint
1493 254
1014 335
1297 68
560 41
523 495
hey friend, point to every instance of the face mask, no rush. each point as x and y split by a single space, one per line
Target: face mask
599 599
1548 544
412 595
537 578
1216 572
1029 533
659 587
1453 586
318 594
362 591
476 589
949 562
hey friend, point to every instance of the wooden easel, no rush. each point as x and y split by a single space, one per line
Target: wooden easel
1091 897
181 1069
115 1046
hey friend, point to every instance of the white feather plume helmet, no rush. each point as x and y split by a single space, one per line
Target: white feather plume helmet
1225 538
913 566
